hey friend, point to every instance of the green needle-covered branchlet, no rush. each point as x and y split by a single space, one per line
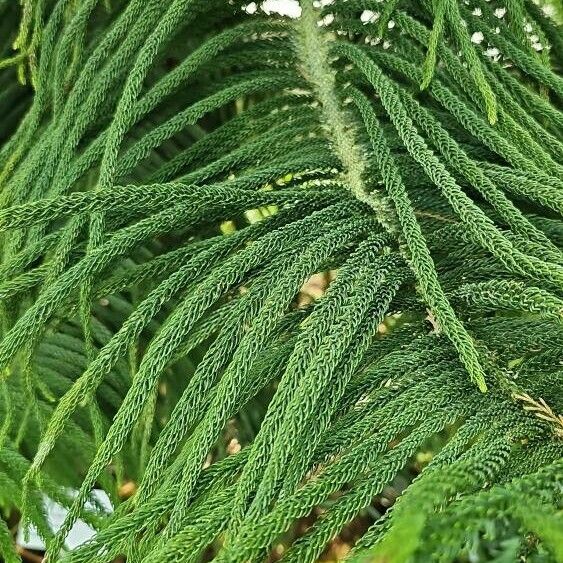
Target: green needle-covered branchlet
257 268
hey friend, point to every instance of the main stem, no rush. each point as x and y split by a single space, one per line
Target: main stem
313 47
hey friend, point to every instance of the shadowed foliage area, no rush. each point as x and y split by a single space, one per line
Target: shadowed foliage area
270 280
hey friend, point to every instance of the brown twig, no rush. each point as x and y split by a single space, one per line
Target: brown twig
29 555
542 410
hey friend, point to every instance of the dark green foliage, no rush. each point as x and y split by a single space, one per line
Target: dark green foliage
175 174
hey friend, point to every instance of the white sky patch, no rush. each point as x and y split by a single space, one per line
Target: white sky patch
290 8
493 53
250 8
369 16
80 532
327 20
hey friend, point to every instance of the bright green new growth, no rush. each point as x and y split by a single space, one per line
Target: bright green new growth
177 175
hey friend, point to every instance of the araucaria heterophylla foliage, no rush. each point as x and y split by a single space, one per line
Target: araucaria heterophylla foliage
258 270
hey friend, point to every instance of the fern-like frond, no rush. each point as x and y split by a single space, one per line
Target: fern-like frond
257 270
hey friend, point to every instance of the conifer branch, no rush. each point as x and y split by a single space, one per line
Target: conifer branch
177 176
